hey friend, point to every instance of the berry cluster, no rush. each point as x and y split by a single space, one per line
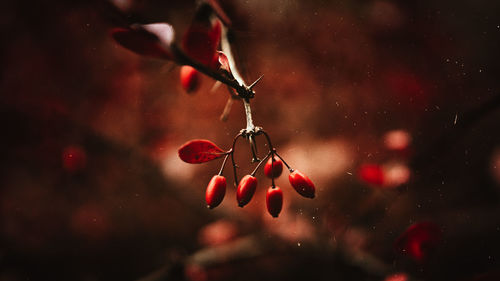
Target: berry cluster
198 53
200 151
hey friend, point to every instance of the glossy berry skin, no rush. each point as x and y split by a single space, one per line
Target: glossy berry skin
274 201
273 170
302 184
190 78
216 190
246 189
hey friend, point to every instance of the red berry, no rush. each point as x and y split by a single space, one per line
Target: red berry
274 201
419 240
302 184
372 174
190 78
273 170
216 190
74 158
246 189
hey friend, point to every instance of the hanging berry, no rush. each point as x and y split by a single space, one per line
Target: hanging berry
273 168
216 190
246 189
274 201
302 184
190 78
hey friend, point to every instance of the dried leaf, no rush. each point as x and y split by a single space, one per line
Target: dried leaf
152 40
200 151
224 62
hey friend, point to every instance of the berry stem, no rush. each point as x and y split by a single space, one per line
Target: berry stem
232 159
272 152
253 148
224 162
260 163
271 148
284 162
272 167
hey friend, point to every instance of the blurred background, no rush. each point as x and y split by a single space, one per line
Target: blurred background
390 107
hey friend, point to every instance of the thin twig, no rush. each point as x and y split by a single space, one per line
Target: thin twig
227 109
184 59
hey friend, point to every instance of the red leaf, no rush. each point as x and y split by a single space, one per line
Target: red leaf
202 38
200 151
152 40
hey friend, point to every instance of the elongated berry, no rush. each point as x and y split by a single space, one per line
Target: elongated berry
273 170
274 201
190 78
246 189
302 184
216 190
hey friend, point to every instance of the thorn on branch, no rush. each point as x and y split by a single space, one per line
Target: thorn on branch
255 83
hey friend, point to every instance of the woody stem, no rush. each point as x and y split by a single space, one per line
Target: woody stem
248 114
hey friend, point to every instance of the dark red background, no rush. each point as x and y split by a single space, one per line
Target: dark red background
92 188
